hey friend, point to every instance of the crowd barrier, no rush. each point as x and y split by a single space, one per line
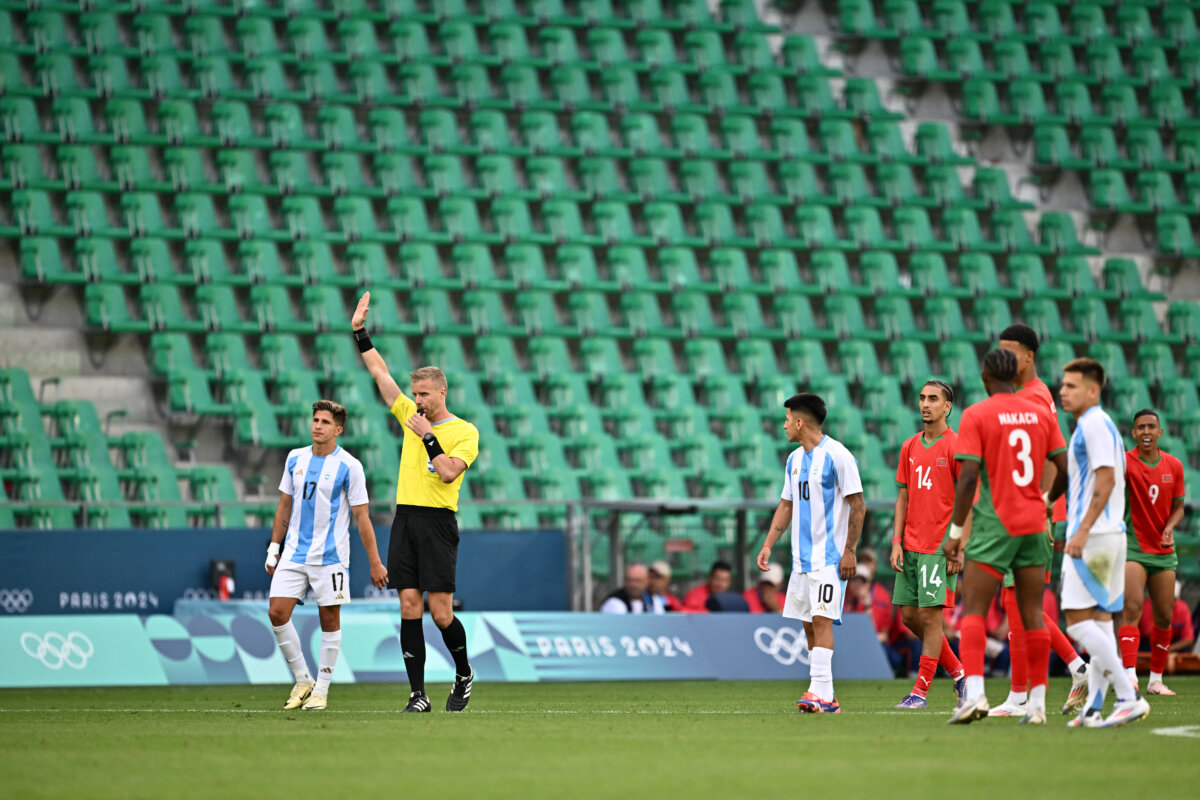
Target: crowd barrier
232 643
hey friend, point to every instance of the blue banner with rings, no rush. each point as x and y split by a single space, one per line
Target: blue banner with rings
232 643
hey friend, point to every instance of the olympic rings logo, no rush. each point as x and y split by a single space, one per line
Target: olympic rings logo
786 645
15 601
55 650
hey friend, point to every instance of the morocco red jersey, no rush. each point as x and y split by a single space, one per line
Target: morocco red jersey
929 472
1150 491
1012 437
1039 392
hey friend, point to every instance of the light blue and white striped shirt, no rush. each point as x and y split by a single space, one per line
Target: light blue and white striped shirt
1095 443
323 490
818 483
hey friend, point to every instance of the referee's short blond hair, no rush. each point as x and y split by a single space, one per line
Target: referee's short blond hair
429 374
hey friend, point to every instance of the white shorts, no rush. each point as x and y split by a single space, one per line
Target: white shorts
819 593
329 583
1098 579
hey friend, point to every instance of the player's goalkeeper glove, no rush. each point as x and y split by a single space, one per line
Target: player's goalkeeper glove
272 554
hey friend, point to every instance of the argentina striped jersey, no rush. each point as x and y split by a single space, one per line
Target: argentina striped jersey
1095 443
818 483
323 489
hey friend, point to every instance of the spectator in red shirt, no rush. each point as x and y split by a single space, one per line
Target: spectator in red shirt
769 595
660 589
1182 634
720 576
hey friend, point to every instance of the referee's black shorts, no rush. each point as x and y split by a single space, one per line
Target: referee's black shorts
423 549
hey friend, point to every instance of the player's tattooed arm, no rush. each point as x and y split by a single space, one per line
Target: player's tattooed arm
898 519
779 525
858 513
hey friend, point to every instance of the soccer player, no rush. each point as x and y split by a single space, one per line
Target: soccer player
822 502
315 535
1022 341
1154 494
1093 583
1007 439
423 551
926 477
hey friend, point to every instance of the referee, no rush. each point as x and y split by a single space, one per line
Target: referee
423 551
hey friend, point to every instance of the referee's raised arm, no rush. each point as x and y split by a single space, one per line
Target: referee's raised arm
388 388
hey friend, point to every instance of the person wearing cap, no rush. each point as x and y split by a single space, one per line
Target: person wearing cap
767 595
659 593
630 598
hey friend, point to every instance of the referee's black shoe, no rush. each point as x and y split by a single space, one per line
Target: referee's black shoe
417 701
460 695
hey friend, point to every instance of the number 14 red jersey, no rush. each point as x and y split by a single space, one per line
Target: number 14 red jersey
929 472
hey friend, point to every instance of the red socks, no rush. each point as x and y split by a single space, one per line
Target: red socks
1160 648
1129 637
925 673
1038 652
972 642
1059 641
1017 655
948 661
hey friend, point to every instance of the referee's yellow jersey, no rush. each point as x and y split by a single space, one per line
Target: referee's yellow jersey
418 483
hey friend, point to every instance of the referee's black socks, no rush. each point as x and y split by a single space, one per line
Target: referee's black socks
455 637
412 642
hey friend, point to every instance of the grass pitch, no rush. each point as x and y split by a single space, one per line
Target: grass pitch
623 740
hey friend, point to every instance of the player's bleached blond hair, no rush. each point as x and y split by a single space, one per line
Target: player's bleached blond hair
429 374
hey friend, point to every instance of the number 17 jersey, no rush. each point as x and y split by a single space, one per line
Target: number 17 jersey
1011 437
928 472
323 489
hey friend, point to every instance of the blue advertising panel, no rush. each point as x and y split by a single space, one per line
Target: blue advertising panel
233 644
148 571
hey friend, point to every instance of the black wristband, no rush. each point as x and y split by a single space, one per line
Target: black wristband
432 446
363 340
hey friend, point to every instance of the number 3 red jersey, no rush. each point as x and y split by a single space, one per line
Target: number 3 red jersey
929 472
1150 491
1012 437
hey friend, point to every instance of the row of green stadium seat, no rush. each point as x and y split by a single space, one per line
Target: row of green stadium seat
609 223
275 126
571 267
1096 147
516 88
1053 61
451 42
680 314
733 15
304 173
1023 102
1038 21
1153 192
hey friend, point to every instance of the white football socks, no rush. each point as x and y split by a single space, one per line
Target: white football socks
289 645
1106 659
1076 665
974 687
1037 697
331 645
821 673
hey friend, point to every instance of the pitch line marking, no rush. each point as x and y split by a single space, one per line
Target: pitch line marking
1182 731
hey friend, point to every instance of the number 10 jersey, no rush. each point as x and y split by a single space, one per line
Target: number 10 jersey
323 489
817 483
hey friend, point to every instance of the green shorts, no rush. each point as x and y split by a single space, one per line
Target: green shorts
1154 563
923 581
1009 553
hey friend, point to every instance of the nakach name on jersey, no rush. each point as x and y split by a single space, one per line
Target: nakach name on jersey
1151 489
418 483
1037 391
817 483
1095 443
323 490
1011 437
929 472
